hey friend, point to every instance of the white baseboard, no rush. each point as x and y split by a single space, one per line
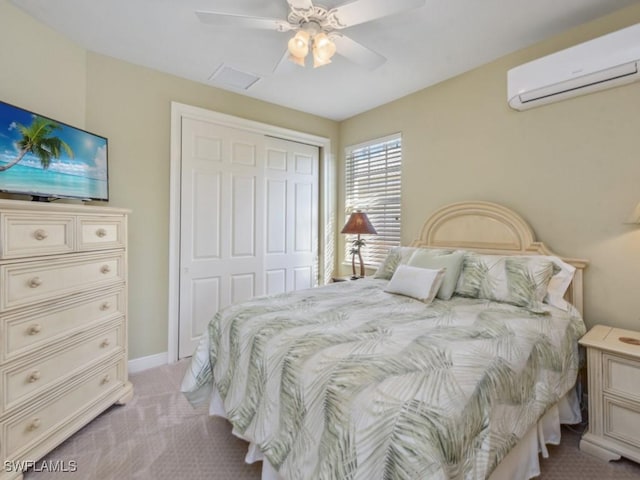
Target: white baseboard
144 363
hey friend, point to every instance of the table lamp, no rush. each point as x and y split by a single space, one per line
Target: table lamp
358 224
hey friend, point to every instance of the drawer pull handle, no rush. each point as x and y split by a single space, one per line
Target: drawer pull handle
105 343
106 379
33 376
40 234
35 282
34 425
105 306
105 269
34 329
101 232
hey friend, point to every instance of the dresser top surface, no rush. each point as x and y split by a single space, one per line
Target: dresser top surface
27 206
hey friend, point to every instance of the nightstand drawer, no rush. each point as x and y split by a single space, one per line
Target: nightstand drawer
622 421
26 235
622 376
29 331
25 432
23 381
27 283
101 233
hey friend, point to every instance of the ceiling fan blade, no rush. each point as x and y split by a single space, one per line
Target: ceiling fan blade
300 4
356 52
361 11
234 20
284 65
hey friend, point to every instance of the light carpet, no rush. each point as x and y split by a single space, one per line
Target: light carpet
158 435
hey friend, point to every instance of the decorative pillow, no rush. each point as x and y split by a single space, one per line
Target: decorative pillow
451 262
395 257
518 280
400 256
415 282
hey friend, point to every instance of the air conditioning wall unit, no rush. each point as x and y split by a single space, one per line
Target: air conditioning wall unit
604 62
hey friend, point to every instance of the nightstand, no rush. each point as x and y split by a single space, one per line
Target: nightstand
613 363
345 278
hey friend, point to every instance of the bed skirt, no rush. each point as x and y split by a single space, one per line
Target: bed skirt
522 462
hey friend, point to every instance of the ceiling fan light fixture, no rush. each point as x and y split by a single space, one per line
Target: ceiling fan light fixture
297 60
319 62
299 44
323 47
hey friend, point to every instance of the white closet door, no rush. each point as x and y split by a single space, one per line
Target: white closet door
291 247
249 207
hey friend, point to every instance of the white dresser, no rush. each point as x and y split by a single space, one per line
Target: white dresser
613 363
63 323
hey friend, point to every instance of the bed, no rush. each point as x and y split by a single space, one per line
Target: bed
351 381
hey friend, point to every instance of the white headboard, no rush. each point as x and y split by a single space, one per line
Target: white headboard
491 228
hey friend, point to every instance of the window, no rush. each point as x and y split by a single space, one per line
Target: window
373 185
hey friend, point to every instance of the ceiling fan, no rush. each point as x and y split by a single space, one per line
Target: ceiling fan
317 28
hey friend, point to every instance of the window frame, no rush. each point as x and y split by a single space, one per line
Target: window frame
379 195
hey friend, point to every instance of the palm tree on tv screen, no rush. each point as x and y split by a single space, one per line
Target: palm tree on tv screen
38 139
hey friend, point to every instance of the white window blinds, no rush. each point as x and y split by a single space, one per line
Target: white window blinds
373 185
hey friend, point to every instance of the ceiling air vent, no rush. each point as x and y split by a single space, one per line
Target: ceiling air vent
230 77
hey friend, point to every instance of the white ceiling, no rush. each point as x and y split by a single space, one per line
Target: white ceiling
424 46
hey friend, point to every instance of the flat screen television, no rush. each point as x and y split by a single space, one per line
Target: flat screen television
48 159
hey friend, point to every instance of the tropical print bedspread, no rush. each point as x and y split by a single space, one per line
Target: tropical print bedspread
349 382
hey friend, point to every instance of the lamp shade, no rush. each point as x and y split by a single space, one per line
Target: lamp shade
358 223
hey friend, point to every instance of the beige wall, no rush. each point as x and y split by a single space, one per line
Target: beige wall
571 169
41 70
131 106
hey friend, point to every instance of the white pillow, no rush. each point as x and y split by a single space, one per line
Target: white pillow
415 282
452 263
559 283
401 255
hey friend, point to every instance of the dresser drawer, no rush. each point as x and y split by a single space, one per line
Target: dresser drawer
622 376
36 329
24 235
101 232
24 380
24 432
27 283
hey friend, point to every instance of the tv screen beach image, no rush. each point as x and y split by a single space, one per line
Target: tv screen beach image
44 157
